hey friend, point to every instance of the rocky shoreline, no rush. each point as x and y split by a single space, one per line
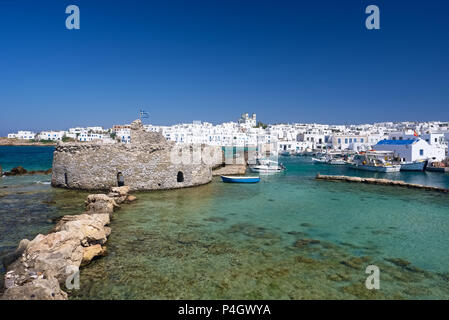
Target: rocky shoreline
18 171
18 142
38 269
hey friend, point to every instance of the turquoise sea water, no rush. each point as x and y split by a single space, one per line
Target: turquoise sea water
287 237
29 157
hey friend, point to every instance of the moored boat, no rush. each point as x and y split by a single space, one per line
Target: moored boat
319 160
337 161
379 161
389 168
266 166
419 165
240 179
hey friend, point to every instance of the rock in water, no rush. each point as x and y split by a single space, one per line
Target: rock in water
100 203
305 242
91 252
13 256
16 171
122 191
54 252
39 289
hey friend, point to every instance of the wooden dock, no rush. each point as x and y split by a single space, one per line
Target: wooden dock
384 182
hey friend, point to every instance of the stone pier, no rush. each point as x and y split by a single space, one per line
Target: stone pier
384 182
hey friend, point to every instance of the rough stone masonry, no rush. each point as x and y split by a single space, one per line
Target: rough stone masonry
143 164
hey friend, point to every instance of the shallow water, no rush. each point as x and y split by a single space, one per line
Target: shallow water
235 241
288 237
28 204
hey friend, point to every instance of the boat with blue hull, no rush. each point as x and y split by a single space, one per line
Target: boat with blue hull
419 165
240 179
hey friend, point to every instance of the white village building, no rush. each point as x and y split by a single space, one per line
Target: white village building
351 141
51 135
411 149
23 135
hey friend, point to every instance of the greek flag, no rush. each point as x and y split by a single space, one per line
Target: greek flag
143 114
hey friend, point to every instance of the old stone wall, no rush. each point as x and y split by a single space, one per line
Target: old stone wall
100 167
144 164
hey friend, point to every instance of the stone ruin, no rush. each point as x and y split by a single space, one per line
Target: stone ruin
143 164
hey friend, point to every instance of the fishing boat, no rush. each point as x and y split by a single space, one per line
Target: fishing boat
338 162
328 160
240 179
266 166
379 161
319 160
418 165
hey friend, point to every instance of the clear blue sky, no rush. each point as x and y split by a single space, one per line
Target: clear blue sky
288 61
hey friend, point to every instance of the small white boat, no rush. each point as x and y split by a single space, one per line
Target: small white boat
419 165
337 162
319 160
328 160
266 166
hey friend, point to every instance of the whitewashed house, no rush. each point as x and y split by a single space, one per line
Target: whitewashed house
316 138
434 138
77 130
403 135
95 129
87 137
411 149
446 137
350 141
23 135
124 135
26 135
51 135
